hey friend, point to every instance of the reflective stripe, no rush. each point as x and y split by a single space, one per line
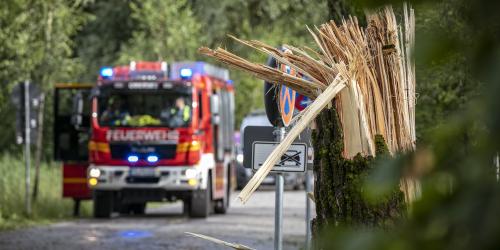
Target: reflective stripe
74 180
99 146
185 146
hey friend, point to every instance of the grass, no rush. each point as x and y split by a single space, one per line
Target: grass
49 206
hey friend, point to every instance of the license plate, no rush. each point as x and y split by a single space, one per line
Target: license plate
142 172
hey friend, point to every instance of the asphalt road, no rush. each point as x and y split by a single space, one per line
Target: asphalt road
163 227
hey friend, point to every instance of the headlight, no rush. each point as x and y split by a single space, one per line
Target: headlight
239 158
191 173
94 172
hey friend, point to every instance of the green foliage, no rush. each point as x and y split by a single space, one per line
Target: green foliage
36 41
444 80
339 9
101 39
49 205
166 30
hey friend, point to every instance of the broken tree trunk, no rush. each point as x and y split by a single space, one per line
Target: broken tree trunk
338 183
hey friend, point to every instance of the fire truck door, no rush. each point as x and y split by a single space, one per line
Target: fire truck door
71 135
71 122
218 121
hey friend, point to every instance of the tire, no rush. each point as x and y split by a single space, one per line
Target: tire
103 204
186 206
124 209
201 201
138 208
221 206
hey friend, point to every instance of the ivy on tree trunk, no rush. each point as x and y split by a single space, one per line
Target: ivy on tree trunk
338 187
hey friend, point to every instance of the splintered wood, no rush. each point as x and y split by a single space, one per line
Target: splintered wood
368 74
221 242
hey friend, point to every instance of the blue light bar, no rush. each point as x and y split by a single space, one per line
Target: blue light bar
186 70
132 158
186 73
106 72
152 158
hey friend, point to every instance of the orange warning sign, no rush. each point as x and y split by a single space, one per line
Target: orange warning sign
287 98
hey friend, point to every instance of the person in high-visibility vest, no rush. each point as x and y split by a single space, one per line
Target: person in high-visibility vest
180 115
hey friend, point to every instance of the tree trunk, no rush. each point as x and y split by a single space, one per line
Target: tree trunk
338 182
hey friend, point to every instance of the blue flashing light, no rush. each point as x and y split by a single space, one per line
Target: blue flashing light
152 158
186 73
134 234
133 158
230 82
106 72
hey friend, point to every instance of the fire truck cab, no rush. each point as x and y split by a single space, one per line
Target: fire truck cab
148 132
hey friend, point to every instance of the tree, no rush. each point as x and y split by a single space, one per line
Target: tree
166 30
101 39
35 44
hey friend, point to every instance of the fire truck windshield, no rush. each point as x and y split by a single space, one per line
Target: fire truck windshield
145 108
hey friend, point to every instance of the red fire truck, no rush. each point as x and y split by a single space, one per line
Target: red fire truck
148 132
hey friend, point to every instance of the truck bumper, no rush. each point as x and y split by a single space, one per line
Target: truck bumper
165 178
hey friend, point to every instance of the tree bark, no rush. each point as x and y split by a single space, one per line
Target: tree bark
338 187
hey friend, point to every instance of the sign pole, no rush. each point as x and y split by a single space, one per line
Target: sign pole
278 218
308 208
278 214
27 142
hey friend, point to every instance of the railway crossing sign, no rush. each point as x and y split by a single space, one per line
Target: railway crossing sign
294 160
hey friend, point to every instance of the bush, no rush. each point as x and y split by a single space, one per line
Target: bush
49 205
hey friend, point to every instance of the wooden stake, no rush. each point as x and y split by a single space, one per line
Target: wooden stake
220 242
319 104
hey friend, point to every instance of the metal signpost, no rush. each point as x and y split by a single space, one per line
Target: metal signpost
278 206
26 98
294 160
27 142
309 175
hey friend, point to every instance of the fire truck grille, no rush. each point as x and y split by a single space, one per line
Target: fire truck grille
122 151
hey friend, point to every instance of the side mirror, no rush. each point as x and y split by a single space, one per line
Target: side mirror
214 108
77 111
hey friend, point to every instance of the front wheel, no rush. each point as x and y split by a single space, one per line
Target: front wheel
103 204
138 208
221 206
201 201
